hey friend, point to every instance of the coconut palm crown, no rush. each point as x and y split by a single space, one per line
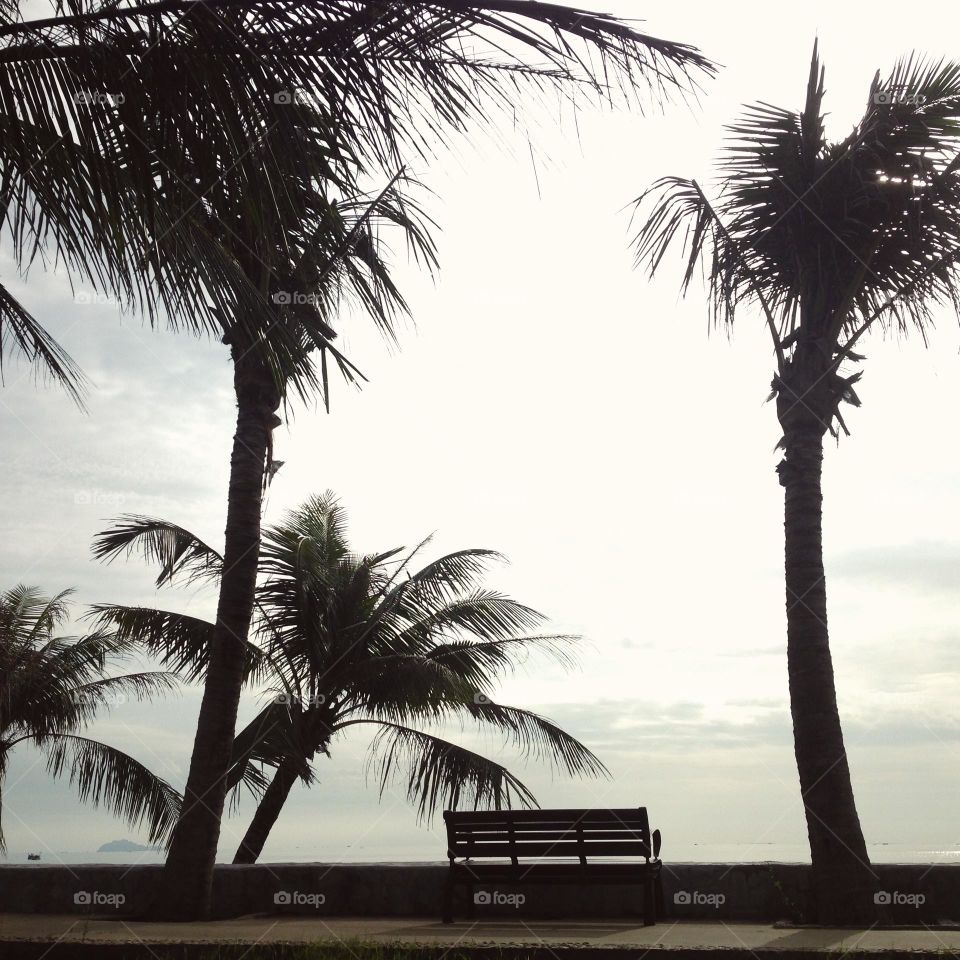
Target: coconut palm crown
118 121
348 640
52 687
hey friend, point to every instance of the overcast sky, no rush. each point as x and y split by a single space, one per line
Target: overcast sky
552 403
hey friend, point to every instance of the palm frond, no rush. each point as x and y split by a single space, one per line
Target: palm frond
61 686
483 614
443 681
677 203
436 774
21 334
399 687
176 551
110 778
538 737
449 576
27 616
479 662
181 643
251 777
282 730
112 691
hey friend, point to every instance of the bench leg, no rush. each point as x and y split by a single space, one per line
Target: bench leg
661 912
649 903
471 902
448 900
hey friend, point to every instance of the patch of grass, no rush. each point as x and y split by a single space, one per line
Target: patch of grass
344 950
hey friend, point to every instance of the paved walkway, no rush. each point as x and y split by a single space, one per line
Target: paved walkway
551 936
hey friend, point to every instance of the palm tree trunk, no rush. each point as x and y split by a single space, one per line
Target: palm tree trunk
271 803
188 874
841 868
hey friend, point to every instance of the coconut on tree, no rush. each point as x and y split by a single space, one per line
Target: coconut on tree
825 241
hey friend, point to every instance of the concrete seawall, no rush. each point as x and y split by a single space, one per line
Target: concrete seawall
916 893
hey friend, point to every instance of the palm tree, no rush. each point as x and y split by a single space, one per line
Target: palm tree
52 687
118 120
830 240
352 640
204 86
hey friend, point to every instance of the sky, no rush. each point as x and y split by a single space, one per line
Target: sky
549 401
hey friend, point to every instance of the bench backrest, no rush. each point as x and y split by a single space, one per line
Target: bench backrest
548 833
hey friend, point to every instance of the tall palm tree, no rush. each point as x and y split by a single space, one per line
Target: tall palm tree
351 640
829 240
52 687
203 86
118 118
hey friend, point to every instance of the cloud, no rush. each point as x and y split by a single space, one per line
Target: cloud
930 568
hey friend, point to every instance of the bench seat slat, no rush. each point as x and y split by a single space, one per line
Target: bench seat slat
589 836
531 872
556 848
542 816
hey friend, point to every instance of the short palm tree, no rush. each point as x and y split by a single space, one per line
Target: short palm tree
52 687
828 240
350 640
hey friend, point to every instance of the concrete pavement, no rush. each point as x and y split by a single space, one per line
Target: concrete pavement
549 938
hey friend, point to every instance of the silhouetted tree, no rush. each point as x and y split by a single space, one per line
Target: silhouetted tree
827 240
349 640
51 689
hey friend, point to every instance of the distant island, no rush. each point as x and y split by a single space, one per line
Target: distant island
125 846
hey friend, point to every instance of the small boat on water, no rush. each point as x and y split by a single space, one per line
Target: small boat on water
33 856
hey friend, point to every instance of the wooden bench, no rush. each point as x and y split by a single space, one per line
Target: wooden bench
553 846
